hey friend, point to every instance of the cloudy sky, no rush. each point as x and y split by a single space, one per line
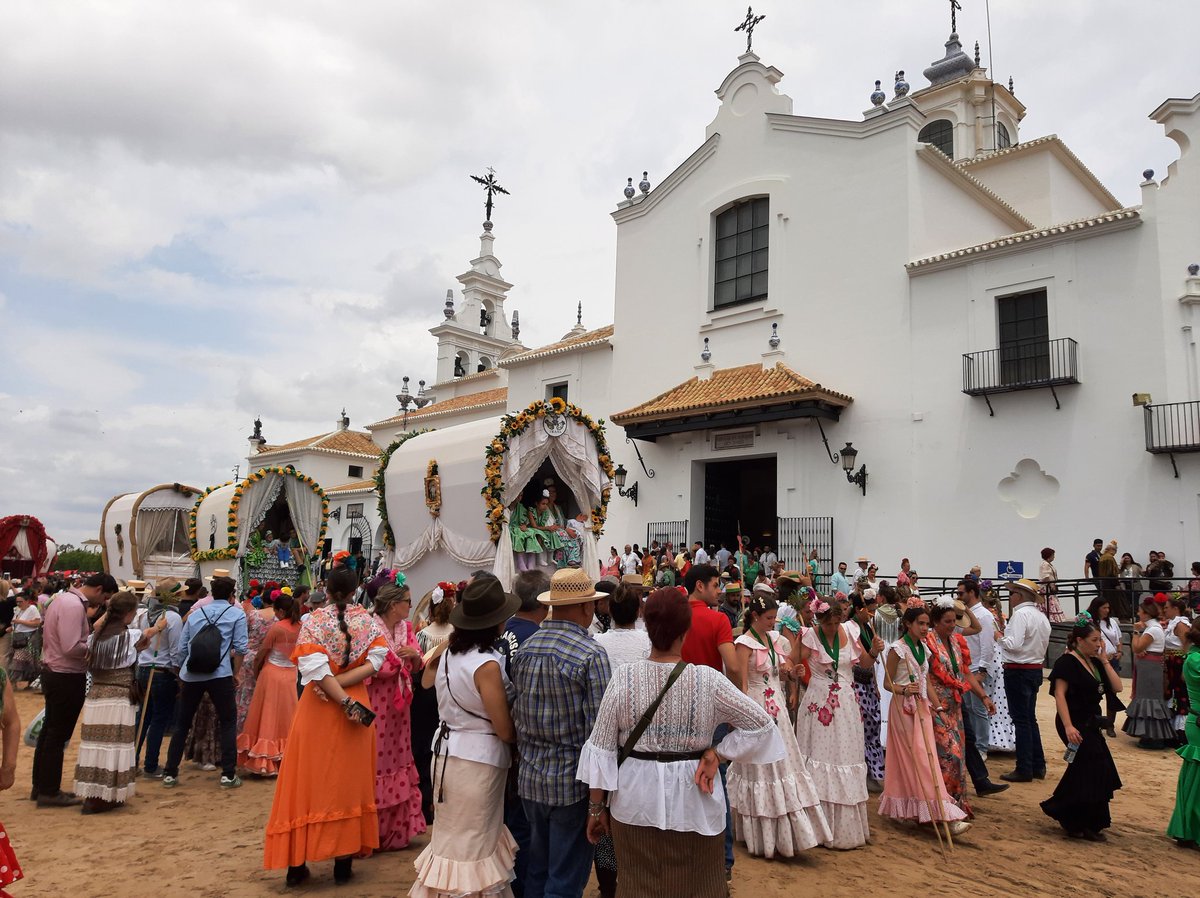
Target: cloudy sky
214 210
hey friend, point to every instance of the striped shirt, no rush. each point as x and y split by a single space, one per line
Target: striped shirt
560 674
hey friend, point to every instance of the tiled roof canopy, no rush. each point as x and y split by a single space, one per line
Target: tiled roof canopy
352 442
353 487
482 399
587 338
744 395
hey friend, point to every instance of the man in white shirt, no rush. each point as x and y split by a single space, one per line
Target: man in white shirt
723 556
982 646
630 562
861 570
699 556
768 559
1023 647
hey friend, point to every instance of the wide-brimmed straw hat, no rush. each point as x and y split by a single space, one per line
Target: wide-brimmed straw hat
1023 586
483 604
217 574
794 576
570 586
633 581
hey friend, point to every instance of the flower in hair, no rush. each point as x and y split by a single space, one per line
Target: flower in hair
438 594
400 580
915 602
819 606
840 596
1083 619
1160 598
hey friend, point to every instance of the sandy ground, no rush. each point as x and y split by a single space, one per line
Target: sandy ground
202 842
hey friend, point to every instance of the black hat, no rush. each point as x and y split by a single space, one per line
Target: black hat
483 604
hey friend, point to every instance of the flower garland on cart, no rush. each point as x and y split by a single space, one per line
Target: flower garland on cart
231 528
389 538
511 426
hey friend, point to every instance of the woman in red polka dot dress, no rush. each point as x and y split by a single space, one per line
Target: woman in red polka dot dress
397 785
10 870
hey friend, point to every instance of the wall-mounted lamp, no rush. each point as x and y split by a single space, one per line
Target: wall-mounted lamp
619 477
848 456
336 515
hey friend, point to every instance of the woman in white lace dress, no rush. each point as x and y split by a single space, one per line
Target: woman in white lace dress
829 726
659 794
776 807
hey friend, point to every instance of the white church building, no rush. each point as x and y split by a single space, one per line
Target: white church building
915 332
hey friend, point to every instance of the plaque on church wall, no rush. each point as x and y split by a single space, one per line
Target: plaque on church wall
734 439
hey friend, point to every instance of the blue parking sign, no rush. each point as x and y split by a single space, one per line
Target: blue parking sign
1010 570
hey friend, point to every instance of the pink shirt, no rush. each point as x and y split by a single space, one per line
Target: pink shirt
65 633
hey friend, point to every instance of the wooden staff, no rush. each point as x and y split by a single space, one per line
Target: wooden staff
933 818
142 720
936 771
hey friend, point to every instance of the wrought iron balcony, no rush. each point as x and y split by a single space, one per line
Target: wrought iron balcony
1172 427
1036 365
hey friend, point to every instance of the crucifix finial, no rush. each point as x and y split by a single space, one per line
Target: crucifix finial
748 26
492 187
955 6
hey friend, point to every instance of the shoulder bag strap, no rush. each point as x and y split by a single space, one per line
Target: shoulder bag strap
639 728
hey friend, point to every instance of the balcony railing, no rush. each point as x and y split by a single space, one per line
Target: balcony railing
1173 427
1044 364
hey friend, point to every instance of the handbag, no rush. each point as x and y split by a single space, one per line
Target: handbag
640 727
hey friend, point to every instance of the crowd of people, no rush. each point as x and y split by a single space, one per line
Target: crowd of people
637 726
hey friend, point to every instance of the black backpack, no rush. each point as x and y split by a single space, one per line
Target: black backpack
204 651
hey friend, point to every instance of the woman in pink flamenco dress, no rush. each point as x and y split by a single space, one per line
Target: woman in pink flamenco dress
913 788
397 789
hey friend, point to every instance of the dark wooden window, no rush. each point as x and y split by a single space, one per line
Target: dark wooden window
741 258
557 390
1024 328
940 134
354 510
356 472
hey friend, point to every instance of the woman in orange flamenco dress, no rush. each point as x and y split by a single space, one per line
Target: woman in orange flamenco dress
324 806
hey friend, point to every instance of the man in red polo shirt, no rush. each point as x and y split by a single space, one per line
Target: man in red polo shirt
710 642
710 639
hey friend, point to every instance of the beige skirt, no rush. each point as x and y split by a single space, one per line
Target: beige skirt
668 864
471 852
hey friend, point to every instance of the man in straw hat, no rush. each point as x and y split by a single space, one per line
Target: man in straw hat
1023 649
560 675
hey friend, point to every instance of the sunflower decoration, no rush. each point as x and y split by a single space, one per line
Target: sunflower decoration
512 425
235 502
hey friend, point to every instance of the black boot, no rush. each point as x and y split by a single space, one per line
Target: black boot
342 872
296 875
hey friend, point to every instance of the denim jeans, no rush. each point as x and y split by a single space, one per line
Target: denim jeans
160 712
221 691
975 716
64 694
560 855
1021 688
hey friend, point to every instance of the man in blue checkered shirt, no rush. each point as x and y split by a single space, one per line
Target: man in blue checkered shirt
560 675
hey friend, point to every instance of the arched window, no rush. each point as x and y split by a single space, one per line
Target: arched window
484 363
940 134
1003 139
462 362
740 273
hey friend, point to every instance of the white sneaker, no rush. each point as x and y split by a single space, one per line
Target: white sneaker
958 827
208 767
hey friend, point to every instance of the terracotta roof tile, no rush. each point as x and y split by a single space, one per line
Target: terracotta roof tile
579 341
730 388
352 487
482 399
354 442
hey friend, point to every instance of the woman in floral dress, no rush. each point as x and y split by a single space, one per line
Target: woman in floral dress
1002 735
949 677
397 786
865 687
257 624
829 725
776 808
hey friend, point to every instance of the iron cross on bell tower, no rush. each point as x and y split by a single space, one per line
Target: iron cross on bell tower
492 187
955 6
748 26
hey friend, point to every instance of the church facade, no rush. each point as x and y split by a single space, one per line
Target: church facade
912 333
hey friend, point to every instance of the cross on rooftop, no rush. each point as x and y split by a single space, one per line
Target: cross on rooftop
955 6
748 26
492 187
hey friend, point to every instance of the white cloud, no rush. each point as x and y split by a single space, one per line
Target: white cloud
217 210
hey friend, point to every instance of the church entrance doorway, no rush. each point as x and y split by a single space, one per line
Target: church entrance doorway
742 492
